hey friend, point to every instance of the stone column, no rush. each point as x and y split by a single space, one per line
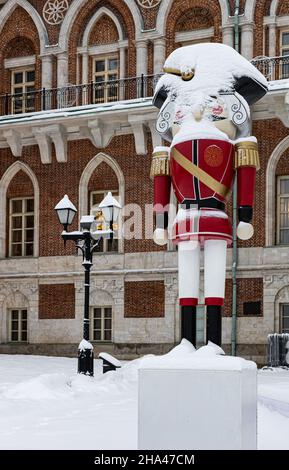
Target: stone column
247 41
228 35
159 54
272 40
141 58
122 71
62 69
46 71
84 76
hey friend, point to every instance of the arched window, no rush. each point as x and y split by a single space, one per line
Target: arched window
101 175
19 205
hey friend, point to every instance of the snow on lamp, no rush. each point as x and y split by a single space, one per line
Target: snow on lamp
110 208
65 211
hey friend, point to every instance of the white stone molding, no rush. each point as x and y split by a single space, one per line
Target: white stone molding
271 190
228 35
54 11
159 54
196 35
4 183
58 135
100 134
247 41
94 19
15 62
156 138
73 11
44 144
273 7
249 12
8 10
14 141
141 57
84 180
46 71
164 11
140 134
62 69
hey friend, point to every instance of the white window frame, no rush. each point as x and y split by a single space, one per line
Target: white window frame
24 85
23 214
280 178
94 209
106 73
20 330
282 49
282 316
102 329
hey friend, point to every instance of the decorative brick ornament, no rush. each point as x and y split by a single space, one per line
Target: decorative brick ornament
54 11
148 3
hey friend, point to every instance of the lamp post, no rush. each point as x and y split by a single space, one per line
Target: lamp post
86 240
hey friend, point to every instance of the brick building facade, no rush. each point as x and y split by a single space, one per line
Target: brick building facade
62 131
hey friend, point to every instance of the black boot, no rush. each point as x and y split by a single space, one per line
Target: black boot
189 321
214 324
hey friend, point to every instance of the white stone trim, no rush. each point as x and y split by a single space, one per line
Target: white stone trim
16 62
271 189
74 9
11 5
84 180
4 183
197 35
166 6
273 7
103 11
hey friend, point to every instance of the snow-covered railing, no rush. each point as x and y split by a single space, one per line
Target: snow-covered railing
273 68
78 95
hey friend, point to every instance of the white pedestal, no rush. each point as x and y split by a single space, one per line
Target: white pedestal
198 406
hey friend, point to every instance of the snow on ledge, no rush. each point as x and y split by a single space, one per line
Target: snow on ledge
210 357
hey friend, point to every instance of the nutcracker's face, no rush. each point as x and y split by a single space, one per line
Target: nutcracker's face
208 83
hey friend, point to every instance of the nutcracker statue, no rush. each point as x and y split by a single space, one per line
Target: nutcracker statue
204 100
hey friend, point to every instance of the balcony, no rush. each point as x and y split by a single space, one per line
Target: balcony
78 95
273 68
100 111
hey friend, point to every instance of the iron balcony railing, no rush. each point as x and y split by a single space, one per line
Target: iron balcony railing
273 68
78 95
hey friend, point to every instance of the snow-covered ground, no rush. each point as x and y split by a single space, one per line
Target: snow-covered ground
44 404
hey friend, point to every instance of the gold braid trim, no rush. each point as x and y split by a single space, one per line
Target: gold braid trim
160 164
246 154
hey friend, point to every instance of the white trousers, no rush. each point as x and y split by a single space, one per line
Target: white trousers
214 271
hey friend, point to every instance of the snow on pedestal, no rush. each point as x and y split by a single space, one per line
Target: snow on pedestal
197 400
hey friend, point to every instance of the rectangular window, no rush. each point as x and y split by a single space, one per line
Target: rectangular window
283 210
105 76
101 324
285 54
252 309
22 89
284 318
21 227
107 244
18 325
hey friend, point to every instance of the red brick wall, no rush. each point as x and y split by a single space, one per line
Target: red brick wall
248 290
104 32
182 8
144 299
56 301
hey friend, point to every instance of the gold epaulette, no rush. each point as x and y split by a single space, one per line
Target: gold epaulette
160 163
246 154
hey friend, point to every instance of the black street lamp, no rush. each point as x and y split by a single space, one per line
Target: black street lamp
86 240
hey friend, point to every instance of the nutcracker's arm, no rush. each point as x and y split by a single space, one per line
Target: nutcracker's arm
246 163
160 174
